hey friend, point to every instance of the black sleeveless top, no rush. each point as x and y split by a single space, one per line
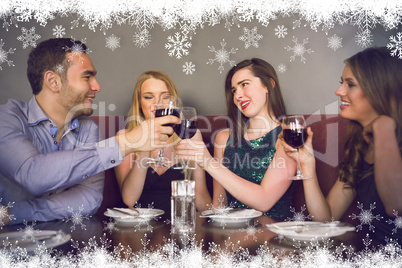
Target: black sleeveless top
369 200
157 189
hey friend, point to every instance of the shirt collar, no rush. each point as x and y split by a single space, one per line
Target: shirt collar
37 115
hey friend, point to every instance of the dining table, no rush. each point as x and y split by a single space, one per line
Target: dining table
211 241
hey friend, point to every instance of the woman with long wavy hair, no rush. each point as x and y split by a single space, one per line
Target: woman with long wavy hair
249 170
370 95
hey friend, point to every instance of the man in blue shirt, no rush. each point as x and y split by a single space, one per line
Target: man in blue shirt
51 156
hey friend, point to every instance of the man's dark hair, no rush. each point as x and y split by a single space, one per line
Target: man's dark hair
51 55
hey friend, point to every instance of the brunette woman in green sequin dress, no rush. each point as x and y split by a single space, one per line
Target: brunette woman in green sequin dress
249 170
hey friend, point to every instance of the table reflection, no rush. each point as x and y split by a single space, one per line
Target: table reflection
212 239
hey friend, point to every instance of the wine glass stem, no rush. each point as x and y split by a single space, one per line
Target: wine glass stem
299 172
160 153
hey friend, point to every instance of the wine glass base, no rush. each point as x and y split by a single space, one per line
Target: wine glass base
180 167
160 161
299 178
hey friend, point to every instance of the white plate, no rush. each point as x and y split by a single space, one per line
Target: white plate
307 230
239 216
145 214
21 240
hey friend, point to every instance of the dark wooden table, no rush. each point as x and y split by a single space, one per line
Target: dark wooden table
210 238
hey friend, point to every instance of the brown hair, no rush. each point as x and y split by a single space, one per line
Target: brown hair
276 105
51 55
379 76
136 115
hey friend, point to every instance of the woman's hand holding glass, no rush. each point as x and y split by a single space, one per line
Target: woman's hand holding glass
167 105
194 149
295 135
186 130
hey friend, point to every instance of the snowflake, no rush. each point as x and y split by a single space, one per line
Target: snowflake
390 20
178 45
179 223
266 17
299 216
113 42
299 50
110 226
29 231
282 68
4 55
59 31
76 50
397 222
395 45
222 56
232 20
144 221
28 38
296 24
142 18
4 208
281 31
59 68
188 29
334 42
251 231
77 218
12 21
250 37
75 24
367 242
364 38
363 18
246 15
59 236
365 217
142 38
188 68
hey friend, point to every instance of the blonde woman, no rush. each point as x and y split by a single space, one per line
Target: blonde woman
150 185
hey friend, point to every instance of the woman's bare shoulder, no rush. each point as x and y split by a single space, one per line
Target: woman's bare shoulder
222 136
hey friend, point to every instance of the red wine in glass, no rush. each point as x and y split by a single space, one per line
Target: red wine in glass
295 134
295 137
167 105
186 130
167 111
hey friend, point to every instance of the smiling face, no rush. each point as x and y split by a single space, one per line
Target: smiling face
249 94
80 87
151 90
354 104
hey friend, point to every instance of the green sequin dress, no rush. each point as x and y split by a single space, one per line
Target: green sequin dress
250 160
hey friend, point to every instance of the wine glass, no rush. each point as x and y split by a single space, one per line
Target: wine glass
186 130
167 105
295 134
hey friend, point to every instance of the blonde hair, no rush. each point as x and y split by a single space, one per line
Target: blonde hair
136 116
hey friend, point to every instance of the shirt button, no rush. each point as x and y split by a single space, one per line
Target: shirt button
112 161
86 177
55 142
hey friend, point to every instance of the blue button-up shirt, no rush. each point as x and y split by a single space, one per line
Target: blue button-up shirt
46 180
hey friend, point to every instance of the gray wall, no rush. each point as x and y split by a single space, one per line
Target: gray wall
307 87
